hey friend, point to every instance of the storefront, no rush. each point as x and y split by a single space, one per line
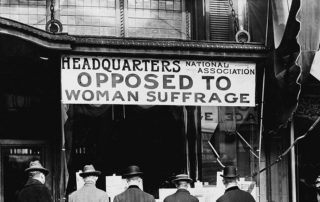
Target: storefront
152 115
185 97
170 85
164 105
146 110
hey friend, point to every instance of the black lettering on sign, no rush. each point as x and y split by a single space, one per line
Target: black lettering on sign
167 79
150 78
84 79
76 64
66 60
220 81
95 63
151 96
106 65
101 78
244 97
231 98
135 78
185 82
208 78
116 79
208 116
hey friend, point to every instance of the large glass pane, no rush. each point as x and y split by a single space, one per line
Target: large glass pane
156 19
26 11
88 17
111 137
230 136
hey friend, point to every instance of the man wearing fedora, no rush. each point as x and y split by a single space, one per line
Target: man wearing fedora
182 182
35 190
134 193
232 192
89 191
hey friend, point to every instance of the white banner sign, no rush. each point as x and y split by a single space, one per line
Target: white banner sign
112 80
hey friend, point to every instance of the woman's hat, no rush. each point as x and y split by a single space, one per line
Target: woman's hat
181 177
36 166
132 171
230 172
89 170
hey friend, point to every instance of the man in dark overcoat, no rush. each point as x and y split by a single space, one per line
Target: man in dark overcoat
133 193
232 192
182 182
35 190
89 191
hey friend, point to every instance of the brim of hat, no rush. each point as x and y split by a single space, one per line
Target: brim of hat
228 176
132 174
97 173
182 179
43 170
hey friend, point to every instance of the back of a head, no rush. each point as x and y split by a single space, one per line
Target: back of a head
34 174
182 184
37 175
135 181
229 180
134 178
90 178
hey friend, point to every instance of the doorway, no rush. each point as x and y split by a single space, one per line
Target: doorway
15 158
114 137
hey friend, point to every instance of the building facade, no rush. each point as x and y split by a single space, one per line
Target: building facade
72 78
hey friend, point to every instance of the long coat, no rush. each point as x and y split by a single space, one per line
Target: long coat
34 191
181 195
89 193
234 194
133 194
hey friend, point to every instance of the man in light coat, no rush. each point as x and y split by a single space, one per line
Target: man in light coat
134 192
182 182
232 192
35 189
89 191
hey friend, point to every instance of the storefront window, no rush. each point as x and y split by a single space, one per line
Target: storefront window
112 137
125 18
143 111
27 11
156 19
230 136
83 17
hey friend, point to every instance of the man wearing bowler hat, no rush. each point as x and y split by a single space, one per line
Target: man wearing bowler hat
35 190
89 191
232 192
182 182
133 193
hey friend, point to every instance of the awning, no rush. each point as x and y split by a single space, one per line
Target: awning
65 43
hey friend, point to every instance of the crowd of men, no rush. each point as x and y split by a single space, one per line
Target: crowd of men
36 191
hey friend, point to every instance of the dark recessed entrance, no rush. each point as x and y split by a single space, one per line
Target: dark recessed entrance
113 137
